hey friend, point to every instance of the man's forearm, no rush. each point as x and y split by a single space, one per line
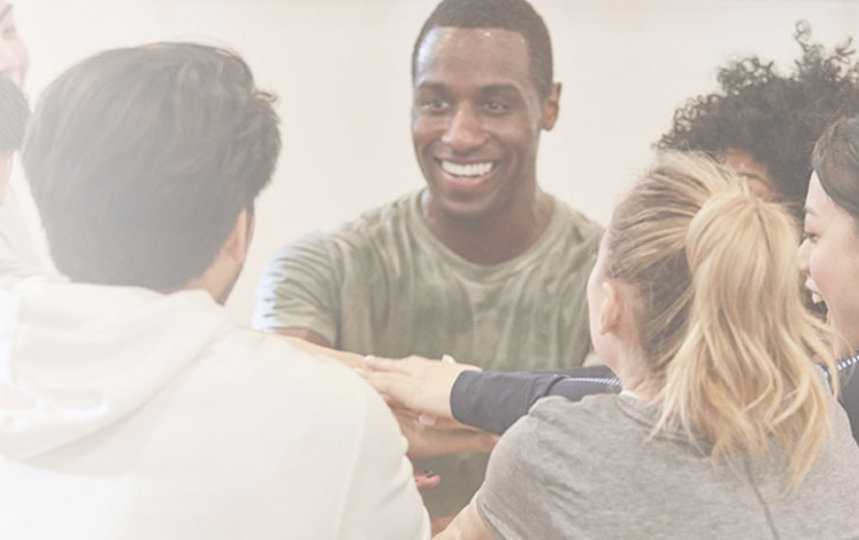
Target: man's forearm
352 360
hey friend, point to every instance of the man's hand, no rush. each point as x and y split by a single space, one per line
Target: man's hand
350 359
444 437
426 479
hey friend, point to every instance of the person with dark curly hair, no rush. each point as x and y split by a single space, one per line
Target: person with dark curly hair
763 123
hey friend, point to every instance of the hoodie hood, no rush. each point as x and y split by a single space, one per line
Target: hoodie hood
77 358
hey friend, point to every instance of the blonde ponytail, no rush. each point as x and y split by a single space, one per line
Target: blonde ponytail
723 326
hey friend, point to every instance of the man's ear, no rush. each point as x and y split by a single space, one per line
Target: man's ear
237 244
611 308
551 107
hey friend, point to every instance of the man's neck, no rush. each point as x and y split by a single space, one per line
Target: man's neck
495 239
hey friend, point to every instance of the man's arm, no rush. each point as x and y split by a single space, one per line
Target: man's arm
306 334
355 361
297 294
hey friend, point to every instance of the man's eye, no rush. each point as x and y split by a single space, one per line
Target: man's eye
435 105
10 31
495 107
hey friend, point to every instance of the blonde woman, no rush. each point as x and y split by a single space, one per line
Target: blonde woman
724 428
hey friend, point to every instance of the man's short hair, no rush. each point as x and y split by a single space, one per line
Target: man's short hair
514 15
14 112
141 159
774 118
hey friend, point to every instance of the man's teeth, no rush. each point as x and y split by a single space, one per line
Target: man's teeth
816 298
466 169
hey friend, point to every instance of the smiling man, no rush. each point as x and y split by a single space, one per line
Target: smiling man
481 264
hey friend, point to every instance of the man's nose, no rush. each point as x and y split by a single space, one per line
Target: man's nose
465 132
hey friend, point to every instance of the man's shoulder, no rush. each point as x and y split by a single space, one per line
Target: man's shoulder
378 220
374 229
584 227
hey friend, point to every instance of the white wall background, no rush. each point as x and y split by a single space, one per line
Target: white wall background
341 69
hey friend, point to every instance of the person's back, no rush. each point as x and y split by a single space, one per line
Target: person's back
131 407
616 482
132 414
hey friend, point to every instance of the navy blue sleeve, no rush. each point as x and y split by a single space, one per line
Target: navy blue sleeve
493 401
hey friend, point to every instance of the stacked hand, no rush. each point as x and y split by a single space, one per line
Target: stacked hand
418 391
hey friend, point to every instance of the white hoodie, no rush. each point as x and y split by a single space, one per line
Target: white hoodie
125 413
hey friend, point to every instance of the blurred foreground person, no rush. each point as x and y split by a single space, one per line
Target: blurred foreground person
131 406
23 250
13 119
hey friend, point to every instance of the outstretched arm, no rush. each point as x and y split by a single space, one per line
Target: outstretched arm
494 401
321 349
307 335
490 401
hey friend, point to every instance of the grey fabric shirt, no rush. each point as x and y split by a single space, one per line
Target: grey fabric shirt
384 285
586 470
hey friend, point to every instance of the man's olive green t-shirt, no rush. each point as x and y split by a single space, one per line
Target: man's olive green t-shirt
383 284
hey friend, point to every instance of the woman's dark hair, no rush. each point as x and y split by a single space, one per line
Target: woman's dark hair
836 163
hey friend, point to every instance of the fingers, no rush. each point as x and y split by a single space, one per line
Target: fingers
408 365
378 364
426 479
387 384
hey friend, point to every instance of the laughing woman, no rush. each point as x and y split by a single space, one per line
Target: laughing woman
829 254
724 427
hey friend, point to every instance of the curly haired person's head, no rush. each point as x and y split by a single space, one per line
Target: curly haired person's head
772 118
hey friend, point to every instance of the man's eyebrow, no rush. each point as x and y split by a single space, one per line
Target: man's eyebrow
500 88
6 11
429 85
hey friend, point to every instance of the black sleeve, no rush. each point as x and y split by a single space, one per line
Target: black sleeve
493 401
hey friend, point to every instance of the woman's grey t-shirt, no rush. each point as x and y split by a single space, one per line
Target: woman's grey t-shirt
588 470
